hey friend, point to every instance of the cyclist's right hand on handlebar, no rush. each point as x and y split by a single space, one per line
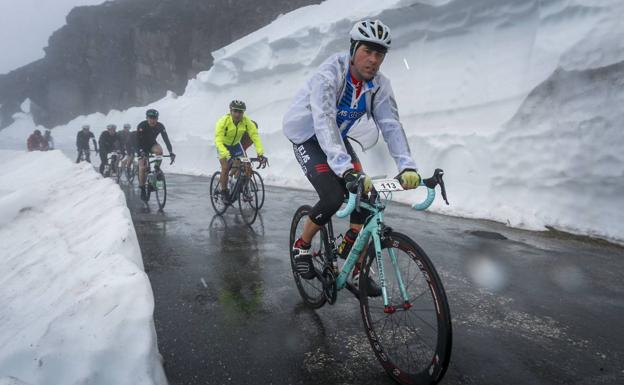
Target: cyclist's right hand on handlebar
352 178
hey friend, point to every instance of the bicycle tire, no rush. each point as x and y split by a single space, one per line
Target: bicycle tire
257 178
131 171
311 290
419 359
216 199
161 193
117 174
248 201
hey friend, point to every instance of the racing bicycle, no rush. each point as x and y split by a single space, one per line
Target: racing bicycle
155 179
242 188
409 325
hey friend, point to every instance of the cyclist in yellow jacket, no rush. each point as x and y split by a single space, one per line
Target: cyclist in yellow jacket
229 131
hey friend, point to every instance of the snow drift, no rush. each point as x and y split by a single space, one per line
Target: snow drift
76 304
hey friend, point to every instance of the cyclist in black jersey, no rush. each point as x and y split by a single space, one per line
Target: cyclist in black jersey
109 142
82 143
129 145
147 132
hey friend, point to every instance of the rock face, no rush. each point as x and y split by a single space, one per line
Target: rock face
129 52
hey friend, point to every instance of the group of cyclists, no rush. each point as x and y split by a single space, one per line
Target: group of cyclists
141 142
40 142
345 88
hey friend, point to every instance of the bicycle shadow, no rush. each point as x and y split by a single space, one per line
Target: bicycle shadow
237 220
238 269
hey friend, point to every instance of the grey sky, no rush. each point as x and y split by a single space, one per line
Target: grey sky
25 26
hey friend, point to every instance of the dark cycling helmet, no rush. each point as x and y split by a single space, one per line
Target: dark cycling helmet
37 132
151 113
86 126
373 33
127 125
108 127
238 105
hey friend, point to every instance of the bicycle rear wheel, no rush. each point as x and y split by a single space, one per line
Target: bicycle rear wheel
311 290
248 200
259 185
411 340
161 190
117 173
216 198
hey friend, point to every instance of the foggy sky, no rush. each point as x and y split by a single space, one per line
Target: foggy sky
25 26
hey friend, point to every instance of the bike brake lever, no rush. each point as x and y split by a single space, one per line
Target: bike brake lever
359 194
438 174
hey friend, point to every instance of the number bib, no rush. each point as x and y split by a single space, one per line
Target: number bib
385 185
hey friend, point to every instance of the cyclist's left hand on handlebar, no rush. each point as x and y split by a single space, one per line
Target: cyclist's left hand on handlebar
173 156
409 178
263 160
352 178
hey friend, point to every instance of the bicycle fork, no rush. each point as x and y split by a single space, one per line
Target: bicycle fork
360 243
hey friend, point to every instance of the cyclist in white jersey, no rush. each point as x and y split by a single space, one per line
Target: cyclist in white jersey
346 87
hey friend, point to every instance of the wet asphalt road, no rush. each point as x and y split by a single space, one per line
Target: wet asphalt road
527 308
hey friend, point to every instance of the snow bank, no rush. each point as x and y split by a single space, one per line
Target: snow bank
76 304
507 96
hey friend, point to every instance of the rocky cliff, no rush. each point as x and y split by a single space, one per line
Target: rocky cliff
129 52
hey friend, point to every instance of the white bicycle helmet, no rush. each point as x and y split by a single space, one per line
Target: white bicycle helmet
370 31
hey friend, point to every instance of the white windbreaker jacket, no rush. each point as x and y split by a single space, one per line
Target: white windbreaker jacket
313 112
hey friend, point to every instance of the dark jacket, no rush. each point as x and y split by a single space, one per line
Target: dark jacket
109 143
132 145
82 140
146 136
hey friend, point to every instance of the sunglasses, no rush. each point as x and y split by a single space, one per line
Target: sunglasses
241 111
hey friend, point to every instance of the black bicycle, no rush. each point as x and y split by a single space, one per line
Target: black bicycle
242 188
84 155
155 179
111 170
132 170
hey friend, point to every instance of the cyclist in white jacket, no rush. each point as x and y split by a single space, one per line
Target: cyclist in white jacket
346 87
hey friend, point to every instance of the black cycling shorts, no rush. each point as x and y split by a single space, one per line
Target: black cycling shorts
329 186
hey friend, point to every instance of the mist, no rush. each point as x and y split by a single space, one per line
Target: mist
26 25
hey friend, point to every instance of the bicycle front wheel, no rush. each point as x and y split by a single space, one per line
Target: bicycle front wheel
131 171
216 197
117 173
259 185
311 290
161 190
248 201
412 339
